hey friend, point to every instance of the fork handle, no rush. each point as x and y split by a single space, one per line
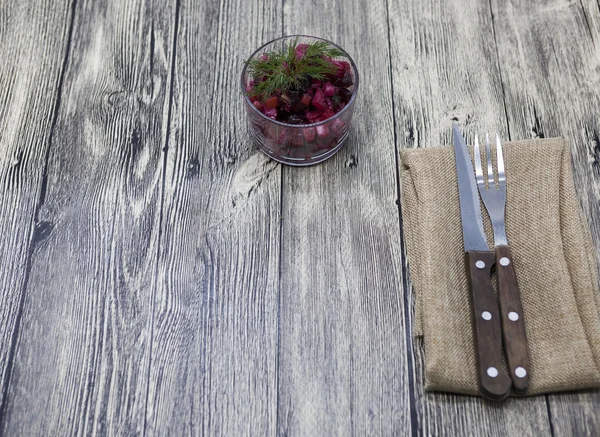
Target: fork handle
493 381
513 322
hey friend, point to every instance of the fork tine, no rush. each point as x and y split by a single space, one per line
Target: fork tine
500 157
490 169
478 169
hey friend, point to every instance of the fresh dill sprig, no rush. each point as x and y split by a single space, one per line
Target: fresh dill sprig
282 70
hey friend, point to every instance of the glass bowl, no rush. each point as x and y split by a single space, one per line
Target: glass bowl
299 144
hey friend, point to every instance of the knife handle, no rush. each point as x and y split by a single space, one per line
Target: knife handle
513 323
494 383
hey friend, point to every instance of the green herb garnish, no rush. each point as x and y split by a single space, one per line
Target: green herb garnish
281 71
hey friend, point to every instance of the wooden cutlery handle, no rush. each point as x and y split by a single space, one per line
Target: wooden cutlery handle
513 324
494 383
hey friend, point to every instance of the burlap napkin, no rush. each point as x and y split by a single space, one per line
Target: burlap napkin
553 257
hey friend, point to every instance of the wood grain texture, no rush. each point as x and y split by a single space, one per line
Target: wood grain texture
214 356
550 64
487 334
516 349
30 78
81 365
445 68
343 366
160 276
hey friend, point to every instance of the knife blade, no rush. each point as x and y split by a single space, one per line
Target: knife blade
470 211
494 383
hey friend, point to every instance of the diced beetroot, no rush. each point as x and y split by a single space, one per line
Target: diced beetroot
272 131
264 57
306 99
290 139
300 50
343 65
310 134
283 137
318 100
323 132
294 98
328 89
345 94
338 64
312 116
296 138
272 102
341 68
271 113
347 80
315 101
297 109
326 144
328 113
258 104
285 142
337 126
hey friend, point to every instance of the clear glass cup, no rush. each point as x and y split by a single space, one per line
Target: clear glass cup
299 144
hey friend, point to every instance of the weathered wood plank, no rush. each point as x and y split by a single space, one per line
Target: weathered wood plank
343 357
445 68
81 365
30 78
214 356
549 56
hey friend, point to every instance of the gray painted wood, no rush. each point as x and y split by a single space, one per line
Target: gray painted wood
165 278
549 58
343 367
444 68
81 363
213 370
30 77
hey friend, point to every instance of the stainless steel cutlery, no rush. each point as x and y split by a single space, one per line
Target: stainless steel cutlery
496 322
513 327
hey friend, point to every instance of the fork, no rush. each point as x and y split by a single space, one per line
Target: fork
513 326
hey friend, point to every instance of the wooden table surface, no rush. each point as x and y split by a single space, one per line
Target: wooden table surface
160 276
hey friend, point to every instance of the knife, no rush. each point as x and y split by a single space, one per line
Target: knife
494 383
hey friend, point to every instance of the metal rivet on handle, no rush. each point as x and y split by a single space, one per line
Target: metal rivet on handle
513 316
493 372
520 372
480 264
486 315
504 261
